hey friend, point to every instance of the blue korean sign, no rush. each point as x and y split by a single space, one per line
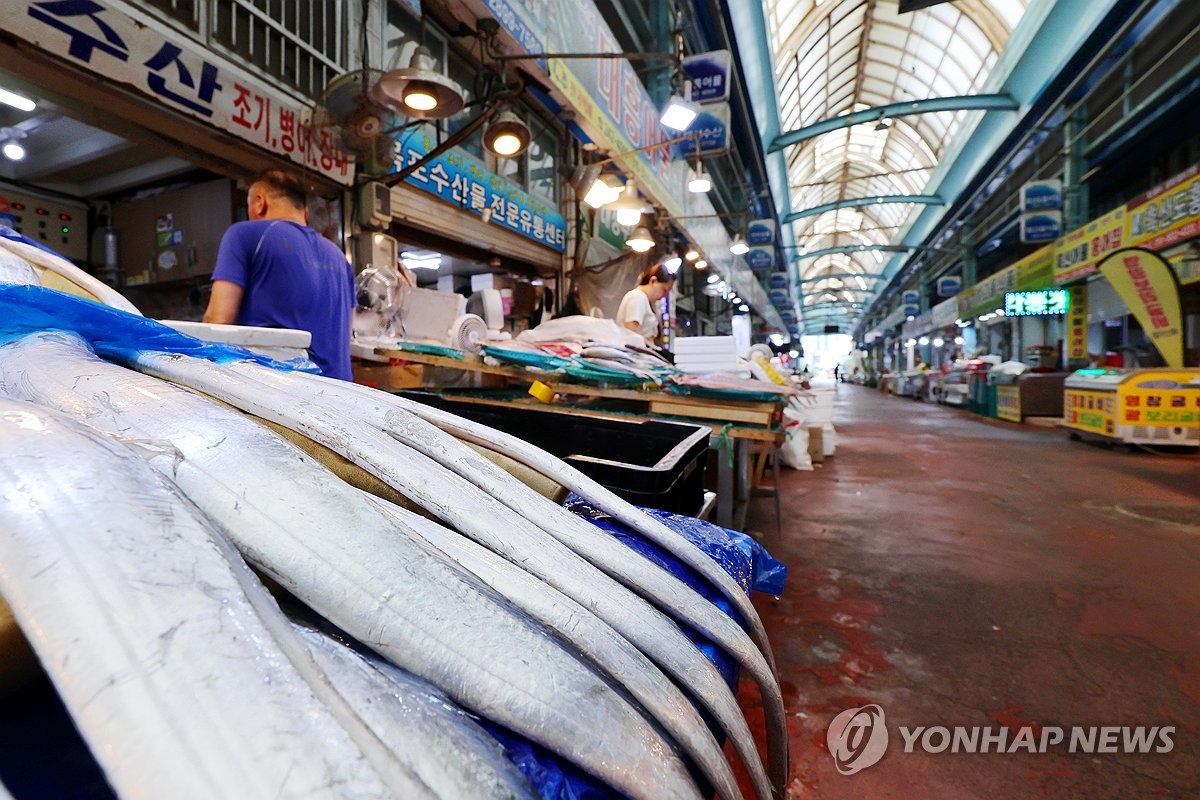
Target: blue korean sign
780 297
760 258
712 127
778 280
949 285
760 231
463 181
911 311
911 298
1041 195
1046 302
709 74
1041 226
788 316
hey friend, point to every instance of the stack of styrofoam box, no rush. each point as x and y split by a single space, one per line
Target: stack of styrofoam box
701 354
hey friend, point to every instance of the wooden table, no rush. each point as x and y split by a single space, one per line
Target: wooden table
737 426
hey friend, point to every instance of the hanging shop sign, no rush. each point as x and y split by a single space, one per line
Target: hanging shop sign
1041 195
910 298
1147 284
1077 323
988 294
949 285
1041 226
170 68
709 74
778 280
711 129
1168 214
760 231
1078 253
466 183
760 258
1041 303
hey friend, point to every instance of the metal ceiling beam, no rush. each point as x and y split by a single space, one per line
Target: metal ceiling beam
858 202
969 102
853 248
840 276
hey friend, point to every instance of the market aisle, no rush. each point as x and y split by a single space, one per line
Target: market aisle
963 572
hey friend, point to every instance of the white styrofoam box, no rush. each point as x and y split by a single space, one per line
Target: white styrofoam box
687 345
279 343
428 314
487 280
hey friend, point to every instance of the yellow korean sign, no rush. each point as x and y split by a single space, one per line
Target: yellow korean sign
1008 402
1077 324
1089 411
1168 214
1078 253
1158 407
1147 284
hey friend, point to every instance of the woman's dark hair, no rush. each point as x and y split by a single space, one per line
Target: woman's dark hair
659 271
278 182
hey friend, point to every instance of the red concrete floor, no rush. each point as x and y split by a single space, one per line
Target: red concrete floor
958 571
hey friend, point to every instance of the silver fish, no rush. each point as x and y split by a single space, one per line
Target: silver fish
392 414
148 633
581 629
331 548
376 409
412 717
477 514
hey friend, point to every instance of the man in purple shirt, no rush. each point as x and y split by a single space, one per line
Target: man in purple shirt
274 271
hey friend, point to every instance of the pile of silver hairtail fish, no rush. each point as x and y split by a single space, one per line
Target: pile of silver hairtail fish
140 502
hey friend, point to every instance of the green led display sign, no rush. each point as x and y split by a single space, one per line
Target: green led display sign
1036 304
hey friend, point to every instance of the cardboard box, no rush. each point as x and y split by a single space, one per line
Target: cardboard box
816 444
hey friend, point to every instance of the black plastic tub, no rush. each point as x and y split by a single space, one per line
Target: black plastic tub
647 462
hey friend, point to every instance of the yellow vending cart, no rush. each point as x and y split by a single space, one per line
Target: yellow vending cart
1140 406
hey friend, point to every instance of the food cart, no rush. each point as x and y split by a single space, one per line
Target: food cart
1134 406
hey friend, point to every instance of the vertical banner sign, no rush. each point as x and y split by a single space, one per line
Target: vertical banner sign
1077 323
1147 284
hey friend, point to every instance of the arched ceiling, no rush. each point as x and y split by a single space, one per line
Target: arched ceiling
834 57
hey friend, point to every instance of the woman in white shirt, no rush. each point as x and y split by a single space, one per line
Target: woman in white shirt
638 310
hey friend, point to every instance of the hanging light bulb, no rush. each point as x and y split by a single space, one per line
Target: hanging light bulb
640 240
419 90
606 189
629 206
507 135
702 264
673 264
713 278
13 150
738 246
692 254
700 182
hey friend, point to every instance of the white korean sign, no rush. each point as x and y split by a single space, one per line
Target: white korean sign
178 72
